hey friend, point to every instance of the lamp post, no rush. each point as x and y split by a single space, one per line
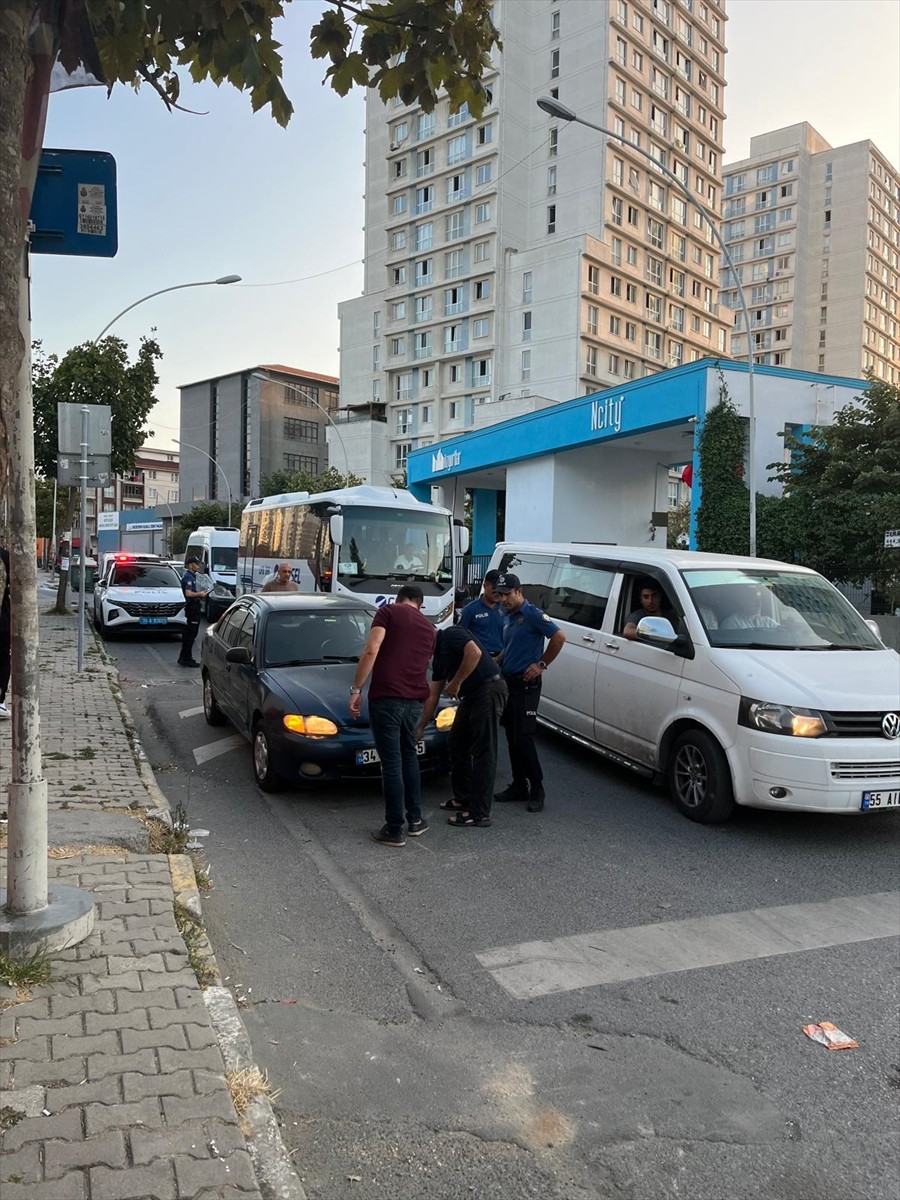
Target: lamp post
200 450
223 279
555 109
328 418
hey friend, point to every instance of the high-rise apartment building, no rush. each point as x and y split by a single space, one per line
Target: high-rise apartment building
814 232
516 258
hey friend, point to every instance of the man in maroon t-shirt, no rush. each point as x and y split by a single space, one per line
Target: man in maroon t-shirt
397 653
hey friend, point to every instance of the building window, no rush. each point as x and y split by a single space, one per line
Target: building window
615 285
554 25
593 319
485 134
398 240
554 64
551 181
454 410
459 117
526 365
398 205
451 339
551 218
424 126
482 251
398 275
482 212
376 358
553 146
590 361
404 420
398 346
526 287
423 308
615 323
424 271
480 327
454 226
425 236
425 414
482 289
482 373
453 264
526 327
424 199
401 453
301 462
425 162
301 431
456 373
613 364
483 173
376 324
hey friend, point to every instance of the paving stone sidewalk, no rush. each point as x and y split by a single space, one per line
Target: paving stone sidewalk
113 1074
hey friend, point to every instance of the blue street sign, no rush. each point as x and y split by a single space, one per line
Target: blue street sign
74 205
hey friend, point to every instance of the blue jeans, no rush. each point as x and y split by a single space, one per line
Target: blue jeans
394 723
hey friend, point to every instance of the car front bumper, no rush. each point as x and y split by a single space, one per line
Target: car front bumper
302 759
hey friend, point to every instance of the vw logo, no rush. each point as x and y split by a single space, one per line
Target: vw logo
890 725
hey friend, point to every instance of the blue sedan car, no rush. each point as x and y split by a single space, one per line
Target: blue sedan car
279 666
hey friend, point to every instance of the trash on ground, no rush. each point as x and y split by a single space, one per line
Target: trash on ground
830 1036
199 833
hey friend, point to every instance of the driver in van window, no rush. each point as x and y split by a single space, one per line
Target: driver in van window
746 611
651 601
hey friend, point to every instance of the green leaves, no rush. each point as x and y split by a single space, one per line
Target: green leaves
302 481
723 517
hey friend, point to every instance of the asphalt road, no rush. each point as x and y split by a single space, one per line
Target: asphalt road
408 1066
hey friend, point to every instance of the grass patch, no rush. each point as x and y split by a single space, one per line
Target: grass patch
245 1085
169 839
85 752
57 755
201 872
8 1118
194 937
30 971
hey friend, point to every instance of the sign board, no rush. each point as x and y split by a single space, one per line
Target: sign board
73 209
68 420
892 539
143 526
107 520
68 471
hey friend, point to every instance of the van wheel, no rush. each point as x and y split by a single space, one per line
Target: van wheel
211 710
699 778
265 777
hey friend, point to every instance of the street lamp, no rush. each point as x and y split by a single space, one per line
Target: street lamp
554 109
200 450
175 288
321 408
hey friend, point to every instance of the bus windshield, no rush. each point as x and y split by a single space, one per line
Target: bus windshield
394 543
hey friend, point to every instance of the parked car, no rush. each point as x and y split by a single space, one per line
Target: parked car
757 683
279 666
138 593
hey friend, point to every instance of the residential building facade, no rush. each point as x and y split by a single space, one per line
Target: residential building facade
519 259
814 232
235 429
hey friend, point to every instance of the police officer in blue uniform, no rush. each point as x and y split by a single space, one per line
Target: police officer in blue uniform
192 611
485 618
523 661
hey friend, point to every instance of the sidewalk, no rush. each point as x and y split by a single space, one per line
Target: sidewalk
113 1074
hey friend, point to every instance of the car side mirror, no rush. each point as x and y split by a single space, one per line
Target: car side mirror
238 654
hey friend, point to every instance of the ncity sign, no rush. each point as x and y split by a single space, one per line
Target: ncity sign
445 462
606 413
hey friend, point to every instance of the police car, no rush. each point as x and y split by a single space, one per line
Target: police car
138 593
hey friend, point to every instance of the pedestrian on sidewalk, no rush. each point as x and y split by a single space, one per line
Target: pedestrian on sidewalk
192 611
5 636
463 668
485 618
396 654
282 580
523 662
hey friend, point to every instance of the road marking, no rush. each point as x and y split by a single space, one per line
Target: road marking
203 754
191 712
615 955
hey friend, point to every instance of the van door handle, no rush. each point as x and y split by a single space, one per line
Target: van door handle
587 638
611 645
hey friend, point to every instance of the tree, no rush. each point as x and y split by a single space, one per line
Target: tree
329 480
207 513
679 527
723 516
406 48
43 499
842 491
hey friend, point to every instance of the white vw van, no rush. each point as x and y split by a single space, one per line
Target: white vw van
756 683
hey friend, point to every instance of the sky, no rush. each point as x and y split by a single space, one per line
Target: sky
229 192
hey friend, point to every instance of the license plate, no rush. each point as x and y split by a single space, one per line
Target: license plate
153 620
364 757
872 800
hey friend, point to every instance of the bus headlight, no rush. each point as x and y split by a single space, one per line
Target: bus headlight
445 718
443 614
310 726
781 718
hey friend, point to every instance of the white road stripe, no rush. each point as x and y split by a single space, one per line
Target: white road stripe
615 955
191 712
213 749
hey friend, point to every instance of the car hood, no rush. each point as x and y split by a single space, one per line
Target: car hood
842 680
321 690
145 593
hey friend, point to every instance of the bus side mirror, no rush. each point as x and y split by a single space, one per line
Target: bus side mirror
336 527
461 537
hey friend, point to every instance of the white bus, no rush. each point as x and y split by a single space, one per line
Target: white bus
361 541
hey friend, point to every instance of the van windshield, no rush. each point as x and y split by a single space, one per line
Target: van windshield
224 558
776 610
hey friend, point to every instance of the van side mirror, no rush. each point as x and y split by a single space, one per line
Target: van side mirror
336 528
656 631
239 655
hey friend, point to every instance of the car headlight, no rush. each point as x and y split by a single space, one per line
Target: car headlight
445 718
781 718
310 726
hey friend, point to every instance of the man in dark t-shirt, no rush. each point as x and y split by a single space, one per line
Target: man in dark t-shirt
462 667
396 654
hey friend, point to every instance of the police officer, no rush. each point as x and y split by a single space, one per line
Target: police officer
523 661
192 611
485 618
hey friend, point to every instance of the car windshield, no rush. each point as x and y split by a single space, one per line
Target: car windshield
224 558
387 543
777 610
319 636
144 575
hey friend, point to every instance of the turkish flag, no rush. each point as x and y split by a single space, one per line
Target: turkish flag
687 474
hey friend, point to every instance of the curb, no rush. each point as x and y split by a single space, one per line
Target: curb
275 1173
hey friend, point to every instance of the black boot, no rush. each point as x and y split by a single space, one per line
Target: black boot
536 801
514 792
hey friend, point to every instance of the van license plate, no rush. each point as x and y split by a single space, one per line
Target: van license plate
153 620
872 800
364 757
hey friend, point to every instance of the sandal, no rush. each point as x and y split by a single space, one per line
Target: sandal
452 806
462 820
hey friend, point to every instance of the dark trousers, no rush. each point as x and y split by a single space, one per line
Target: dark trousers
520 723
5 652
472 746
188 638
394 723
